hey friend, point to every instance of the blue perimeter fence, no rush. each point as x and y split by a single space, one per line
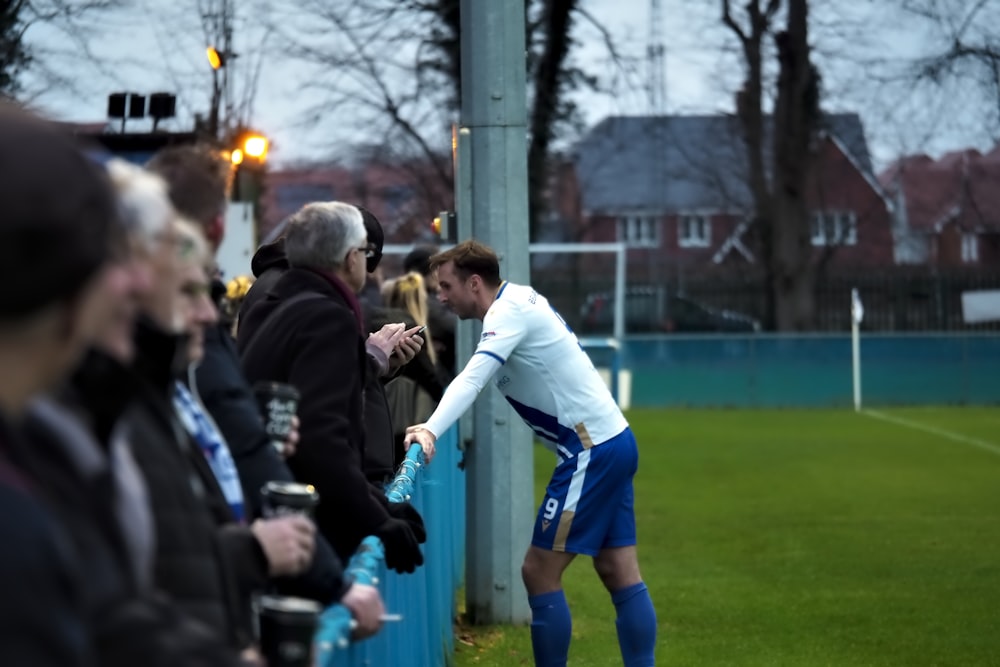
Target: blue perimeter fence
424 637
780 370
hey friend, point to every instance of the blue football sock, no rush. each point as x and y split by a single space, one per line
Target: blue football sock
636 625
551 627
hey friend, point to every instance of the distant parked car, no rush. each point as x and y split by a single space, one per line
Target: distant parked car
654 310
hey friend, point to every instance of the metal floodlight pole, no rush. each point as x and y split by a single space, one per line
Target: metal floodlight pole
500 488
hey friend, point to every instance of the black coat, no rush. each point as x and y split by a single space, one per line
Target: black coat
201 558
128 623
268 263
421 374
42 608
229 399
317 345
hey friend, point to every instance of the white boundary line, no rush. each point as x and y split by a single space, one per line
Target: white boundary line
957 437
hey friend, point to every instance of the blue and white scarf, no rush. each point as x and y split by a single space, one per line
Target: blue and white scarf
204 431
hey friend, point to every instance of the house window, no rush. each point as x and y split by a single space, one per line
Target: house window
834 228
970 248
694 231
637 230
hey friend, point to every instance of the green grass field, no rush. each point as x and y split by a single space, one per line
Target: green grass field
801 538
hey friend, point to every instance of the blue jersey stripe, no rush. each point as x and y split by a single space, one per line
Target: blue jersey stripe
491 354
547 426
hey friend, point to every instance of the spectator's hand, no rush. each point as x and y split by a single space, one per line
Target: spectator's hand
402 548
251 657
287 541
419 433
407 348
292 441
410 515
387 338
366 606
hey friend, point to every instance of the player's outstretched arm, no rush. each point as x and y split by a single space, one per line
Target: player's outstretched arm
458 397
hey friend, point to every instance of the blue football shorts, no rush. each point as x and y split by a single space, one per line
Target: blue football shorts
589 502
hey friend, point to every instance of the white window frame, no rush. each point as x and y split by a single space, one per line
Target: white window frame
638 231
970 247
688 233
829 228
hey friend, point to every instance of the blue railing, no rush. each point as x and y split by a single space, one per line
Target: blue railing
425 599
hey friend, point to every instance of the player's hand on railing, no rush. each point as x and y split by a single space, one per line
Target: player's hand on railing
367 610
418 433
288 543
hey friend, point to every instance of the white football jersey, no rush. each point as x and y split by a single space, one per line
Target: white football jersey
546 376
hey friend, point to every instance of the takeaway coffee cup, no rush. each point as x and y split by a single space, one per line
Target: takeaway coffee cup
287 626
284 498
278 404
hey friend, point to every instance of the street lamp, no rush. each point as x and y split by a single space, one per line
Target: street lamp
215 59
255 146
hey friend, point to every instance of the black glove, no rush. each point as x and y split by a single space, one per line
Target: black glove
410 515
402 549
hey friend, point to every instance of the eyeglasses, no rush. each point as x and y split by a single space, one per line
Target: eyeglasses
368 250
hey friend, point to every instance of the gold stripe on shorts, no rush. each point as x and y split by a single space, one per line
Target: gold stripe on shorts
562 532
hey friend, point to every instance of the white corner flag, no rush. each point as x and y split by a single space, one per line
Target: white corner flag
857 310
857 314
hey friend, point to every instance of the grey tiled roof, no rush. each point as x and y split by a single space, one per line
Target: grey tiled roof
679 163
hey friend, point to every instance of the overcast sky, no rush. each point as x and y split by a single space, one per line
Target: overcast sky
159 46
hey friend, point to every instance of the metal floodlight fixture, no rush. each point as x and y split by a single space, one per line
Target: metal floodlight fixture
216 59
116 105
162 105
136 105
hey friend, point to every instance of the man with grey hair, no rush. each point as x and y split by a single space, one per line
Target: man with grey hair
309 331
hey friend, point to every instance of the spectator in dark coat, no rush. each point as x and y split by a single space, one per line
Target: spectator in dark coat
58 228
93 482
268 263
198 183
200 557
309 331
383 453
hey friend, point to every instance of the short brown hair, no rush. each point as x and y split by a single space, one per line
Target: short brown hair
470 258
197 177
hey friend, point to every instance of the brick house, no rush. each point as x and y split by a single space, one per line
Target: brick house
947 210
675 189
405 196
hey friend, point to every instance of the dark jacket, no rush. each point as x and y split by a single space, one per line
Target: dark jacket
229 399
41 605
316 344
268 263
201 558
128 622
392 401
441 322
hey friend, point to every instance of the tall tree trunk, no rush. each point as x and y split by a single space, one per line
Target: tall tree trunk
750 114
780 211
796 116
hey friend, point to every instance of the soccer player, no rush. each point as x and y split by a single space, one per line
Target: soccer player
539 366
